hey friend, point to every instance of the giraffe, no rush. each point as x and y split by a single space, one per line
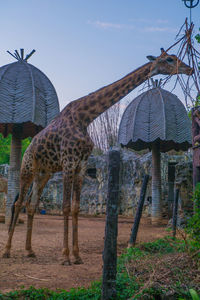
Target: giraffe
65 145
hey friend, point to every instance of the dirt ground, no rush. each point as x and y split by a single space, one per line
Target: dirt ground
46 270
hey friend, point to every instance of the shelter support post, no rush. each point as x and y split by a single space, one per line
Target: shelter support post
14 170
156 215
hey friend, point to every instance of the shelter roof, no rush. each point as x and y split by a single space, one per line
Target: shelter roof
155 116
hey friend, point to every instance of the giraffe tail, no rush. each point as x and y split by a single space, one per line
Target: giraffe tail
13 212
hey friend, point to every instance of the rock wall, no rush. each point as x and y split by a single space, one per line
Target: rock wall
133 168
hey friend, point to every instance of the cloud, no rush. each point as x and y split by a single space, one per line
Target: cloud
159 21
150 29
149 21
159 29
109 25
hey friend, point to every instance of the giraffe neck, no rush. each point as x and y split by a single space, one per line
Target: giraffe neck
88 108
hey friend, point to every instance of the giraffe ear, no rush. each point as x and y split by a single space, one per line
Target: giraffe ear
151 58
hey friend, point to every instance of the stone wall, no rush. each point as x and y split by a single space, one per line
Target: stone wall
133 168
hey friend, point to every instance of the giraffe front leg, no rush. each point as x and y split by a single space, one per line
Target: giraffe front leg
78 180
65 251
75 212
67 189
28 247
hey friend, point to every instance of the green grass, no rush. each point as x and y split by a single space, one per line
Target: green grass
94 293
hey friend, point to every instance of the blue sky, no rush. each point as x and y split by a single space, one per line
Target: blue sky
82 45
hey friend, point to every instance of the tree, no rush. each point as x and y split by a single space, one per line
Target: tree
104 129
5 145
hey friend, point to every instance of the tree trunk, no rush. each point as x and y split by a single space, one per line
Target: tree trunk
14 171
156 215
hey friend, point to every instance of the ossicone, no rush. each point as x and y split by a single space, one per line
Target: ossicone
162 50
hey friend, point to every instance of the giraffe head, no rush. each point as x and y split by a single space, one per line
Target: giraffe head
168 65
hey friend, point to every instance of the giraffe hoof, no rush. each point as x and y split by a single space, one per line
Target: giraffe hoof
31 254
66 262
6 255
78 261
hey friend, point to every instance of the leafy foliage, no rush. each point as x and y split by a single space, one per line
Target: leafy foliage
197 37
164 246
193 294
94 293
5 146
193 226
197 101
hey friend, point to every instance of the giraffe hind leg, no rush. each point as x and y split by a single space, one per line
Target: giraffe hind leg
30 216
32 204
15 214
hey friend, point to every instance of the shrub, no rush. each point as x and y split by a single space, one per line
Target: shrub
193 225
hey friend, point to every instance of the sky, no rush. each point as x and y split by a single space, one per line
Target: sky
83 45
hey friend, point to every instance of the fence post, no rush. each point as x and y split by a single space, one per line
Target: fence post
175 212
138 212
110 242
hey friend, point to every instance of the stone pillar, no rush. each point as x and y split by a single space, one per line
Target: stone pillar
14 170
156 215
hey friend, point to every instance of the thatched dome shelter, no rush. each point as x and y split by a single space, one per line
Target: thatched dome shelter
28 102
27 97
156 120
156 115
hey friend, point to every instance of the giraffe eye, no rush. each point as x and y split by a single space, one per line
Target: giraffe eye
169 59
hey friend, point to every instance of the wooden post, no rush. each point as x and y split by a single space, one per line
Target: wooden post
138 212
110 242
171 179
175 212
